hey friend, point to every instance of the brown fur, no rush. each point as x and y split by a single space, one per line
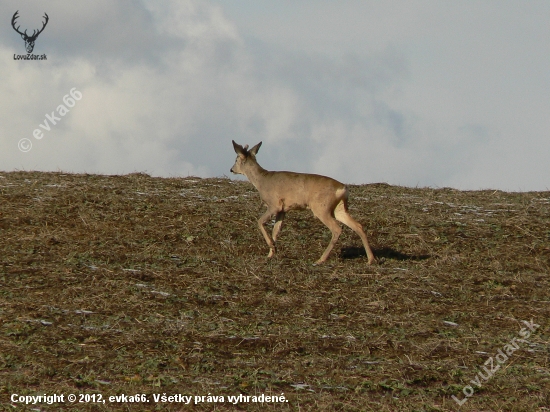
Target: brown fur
283 191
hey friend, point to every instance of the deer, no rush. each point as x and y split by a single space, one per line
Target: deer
29 40
283 191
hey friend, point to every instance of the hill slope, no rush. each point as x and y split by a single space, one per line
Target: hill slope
131 284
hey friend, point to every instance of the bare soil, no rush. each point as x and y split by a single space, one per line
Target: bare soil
131 285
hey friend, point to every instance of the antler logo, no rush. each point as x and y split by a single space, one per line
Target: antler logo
29 40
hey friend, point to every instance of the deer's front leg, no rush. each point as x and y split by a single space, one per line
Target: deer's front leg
261 221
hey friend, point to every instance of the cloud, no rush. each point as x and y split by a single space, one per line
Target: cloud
166 86
175 110
155 84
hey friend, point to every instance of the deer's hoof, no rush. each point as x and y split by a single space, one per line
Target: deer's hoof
372 260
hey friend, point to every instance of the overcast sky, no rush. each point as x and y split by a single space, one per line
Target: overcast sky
413 92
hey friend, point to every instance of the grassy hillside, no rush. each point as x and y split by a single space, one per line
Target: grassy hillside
131 285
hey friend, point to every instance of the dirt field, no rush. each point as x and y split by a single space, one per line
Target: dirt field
125 285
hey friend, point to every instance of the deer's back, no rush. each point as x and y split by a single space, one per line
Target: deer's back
291 190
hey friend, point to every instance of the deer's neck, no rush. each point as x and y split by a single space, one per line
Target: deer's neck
256 174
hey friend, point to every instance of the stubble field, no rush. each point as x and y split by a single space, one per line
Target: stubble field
114 285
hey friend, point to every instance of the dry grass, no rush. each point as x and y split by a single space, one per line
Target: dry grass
132 284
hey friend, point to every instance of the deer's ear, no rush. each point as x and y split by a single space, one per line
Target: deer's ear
238 148
255 149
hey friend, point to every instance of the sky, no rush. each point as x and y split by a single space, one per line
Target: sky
421 93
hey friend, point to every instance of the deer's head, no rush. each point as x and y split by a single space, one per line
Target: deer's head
243 154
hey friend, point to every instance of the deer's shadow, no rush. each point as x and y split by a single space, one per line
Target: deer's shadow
353 252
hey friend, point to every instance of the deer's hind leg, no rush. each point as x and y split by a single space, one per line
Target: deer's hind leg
341 214
278 225
328 219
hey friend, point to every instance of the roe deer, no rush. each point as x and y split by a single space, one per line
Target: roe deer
284 191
